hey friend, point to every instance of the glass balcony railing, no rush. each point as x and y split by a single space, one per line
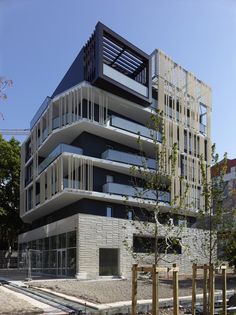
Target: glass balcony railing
154 104
135 128
128 158
55 123
56 152
136 192
74 184
45 133
37 199
177 116
66 119
125 80
40 111
202 128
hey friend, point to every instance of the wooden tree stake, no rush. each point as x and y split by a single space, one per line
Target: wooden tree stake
175 290
212 289
205 289
134 289
194 289
224 288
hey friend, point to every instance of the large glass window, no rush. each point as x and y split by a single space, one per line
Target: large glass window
71 239
71 261
54 255
53 242
62 240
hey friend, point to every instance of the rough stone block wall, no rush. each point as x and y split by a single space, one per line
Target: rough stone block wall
96 232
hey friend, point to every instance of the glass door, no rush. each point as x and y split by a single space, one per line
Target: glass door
61 262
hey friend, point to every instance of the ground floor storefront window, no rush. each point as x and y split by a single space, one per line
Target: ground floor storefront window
55 255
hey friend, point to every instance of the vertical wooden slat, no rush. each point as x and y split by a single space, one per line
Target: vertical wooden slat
175 291
205 282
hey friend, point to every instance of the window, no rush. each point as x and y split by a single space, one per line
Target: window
142 244
71 239
109 212
205 149
182 223
195 145
203 117
185 141
190 143
183 166
130 215
108 261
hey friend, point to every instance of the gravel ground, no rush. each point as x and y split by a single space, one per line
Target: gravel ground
108 291
12 305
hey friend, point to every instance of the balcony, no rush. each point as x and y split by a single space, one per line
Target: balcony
125 80
135 128
125 190
128 158
61 148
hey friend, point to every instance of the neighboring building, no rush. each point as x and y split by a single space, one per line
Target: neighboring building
229 178
227 222
76 162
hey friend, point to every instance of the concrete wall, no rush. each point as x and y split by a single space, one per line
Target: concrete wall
58 227
94 232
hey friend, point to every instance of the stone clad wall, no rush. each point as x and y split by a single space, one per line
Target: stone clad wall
96 232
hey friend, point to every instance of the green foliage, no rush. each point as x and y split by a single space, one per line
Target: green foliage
155 223
10 223
213 218
229 239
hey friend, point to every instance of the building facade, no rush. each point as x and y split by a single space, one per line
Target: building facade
75 183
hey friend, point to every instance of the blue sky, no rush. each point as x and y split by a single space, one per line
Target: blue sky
41 38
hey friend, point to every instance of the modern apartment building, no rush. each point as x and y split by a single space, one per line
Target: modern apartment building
83 142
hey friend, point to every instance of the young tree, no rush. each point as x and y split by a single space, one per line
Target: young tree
154 215
213 218
4 83
10 222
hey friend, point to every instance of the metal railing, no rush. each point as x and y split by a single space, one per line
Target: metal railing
56 152
135 128
136 192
